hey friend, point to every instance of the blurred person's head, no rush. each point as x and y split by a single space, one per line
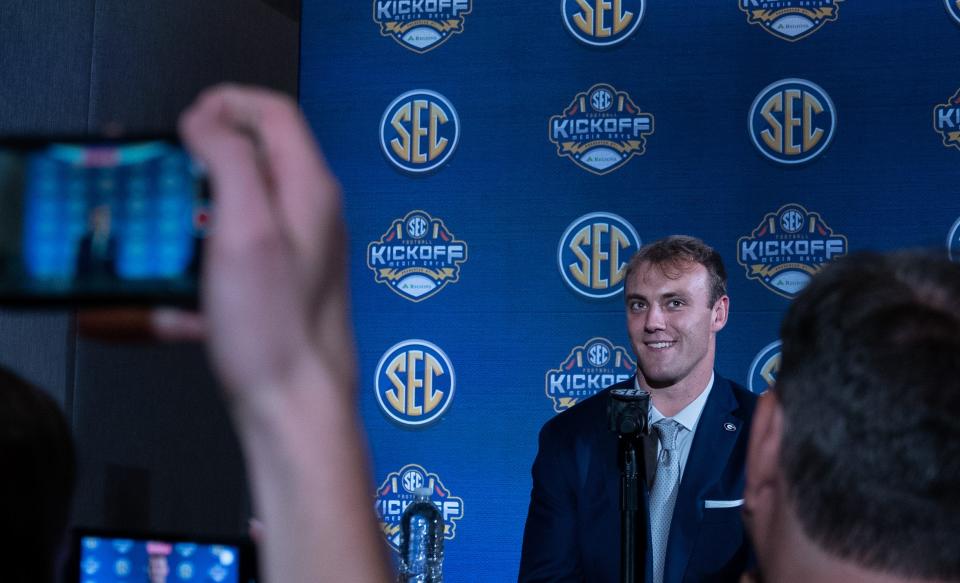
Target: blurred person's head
37 465
854 462
158 566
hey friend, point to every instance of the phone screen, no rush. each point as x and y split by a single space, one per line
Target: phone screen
107 558
100 222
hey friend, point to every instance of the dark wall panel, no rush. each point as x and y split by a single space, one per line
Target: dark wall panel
39 346
45 50
156 449
150 59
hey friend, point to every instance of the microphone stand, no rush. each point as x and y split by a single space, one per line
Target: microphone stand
627 411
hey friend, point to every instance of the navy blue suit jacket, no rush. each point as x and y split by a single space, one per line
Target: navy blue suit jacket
573 526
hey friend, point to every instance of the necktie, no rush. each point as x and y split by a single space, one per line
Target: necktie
664 493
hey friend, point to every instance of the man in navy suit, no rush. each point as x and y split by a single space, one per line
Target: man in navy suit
676 303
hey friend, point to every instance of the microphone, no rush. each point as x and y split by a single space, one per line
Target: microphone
627 412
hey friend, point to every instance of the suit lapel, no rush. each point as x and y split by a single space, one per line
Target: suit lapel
709 452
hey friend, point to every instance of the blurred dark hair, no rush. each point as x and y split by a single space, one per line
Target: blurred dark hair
869 382
37 461
672 255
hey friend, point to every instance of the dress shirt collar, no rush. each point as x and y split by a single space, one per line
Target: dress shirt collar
689 416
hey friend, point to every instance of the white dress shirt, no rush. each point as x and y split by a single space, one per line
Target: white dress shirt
688 418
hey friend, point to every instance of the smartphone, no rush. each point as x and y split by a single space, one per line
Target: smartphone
105 556
100 221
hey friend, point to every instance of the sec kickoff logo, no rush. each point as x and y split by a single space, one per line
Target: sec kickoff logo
946 121
953 241
414 383
602 23
593 254
421 25
787 248
397 492
601 129
417 256
419 131
791 20
792 121
764 368
589 368
953 7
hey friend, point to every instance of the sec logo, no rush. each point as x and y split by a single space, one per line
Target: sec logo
414 383
953 241
792 121
419 131
593 254
602 23
764 368
953 7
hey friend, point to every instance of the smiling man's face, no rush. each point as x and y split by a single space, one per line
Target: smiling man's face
672 323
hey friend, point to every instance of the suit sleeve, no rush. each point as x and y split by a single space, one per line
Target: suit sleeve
550 542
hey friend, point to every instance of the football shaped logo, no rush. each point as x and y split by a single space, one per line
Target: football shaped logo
790 20
423 25
601 129
396 492
787 248
417 256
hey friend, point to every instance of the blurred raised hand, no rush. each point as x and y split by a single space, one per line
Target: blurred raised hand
275 316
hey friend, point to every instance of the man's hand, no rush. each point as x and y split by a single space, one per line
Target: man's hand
274 288
277 325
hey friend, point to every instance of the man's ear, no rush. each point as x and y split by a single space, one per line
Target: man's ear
721 309
763 480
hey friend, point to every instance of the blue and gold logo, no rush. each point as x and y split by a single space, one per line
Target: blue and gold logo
787 248
414 383
419 131
588 369
593 254
791 20
953 241
792 121
397 492
953 7
946 120
417 256
764 368
420 25
601 129
602 23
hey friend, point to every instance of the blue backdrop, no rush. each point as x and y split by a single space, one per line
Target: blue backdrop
501 160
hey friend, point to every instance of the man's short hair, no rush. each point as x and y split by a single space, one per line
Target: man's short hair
37 465
674 253
869 383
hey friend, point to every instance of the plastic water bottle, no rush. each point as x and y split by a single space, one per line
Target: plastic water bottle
421 541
